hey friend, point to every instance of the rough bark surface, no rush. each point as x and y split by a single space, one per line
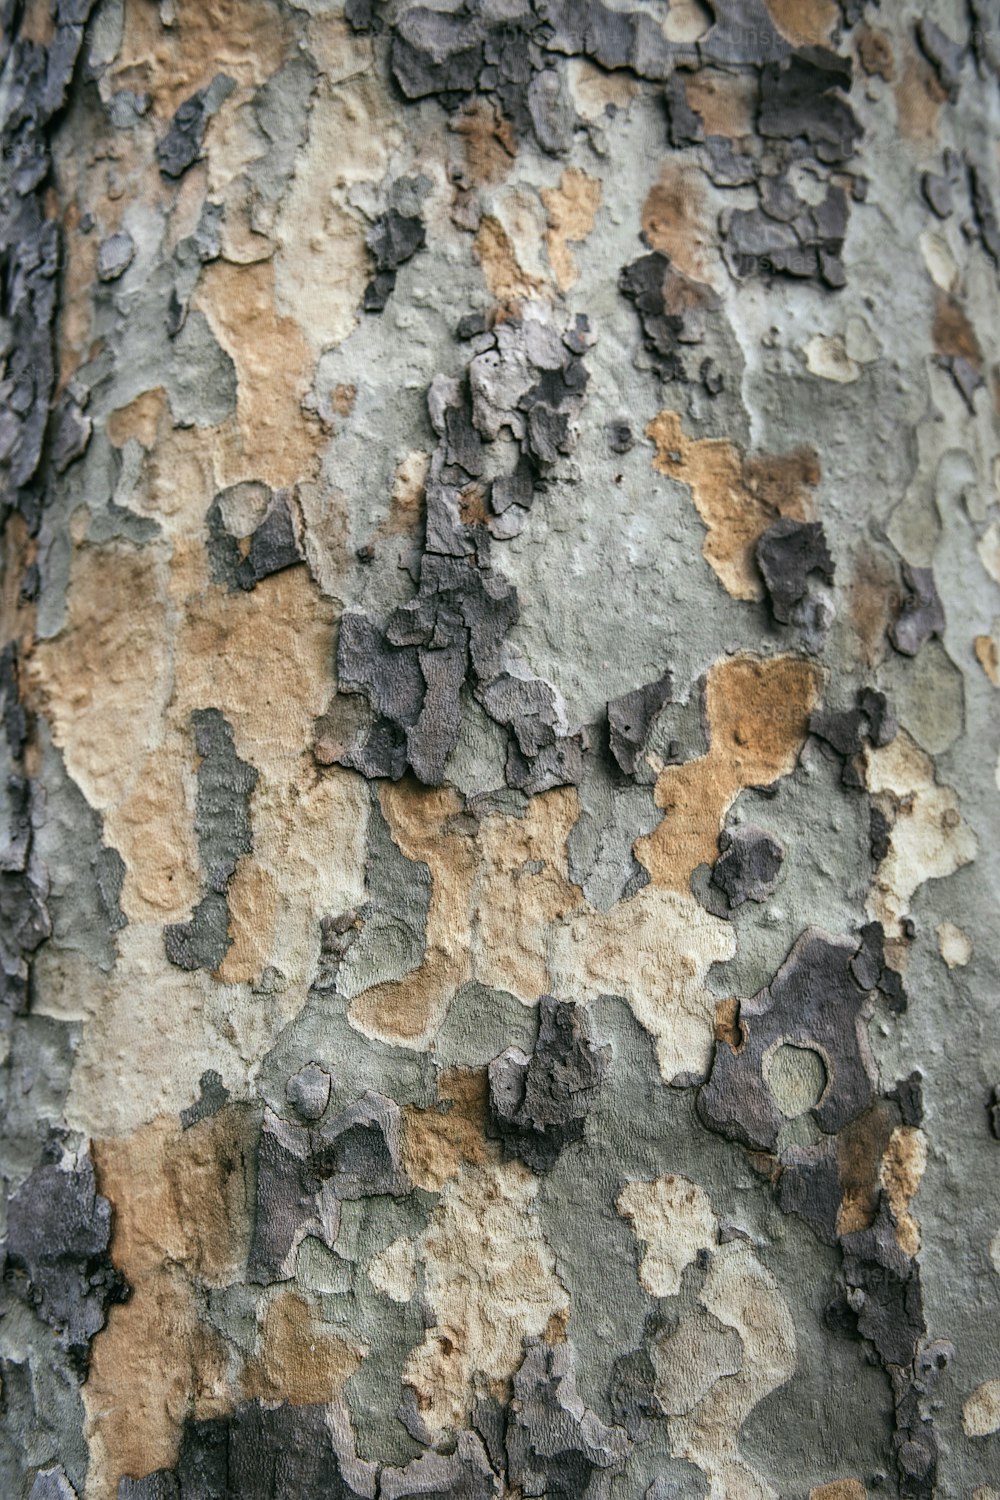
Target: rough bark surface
500 654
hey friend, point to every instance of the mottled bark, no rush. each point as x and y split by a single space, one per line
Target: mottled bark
500 653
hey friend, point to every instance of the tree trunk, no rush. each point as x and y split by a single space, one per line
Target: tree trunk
501 563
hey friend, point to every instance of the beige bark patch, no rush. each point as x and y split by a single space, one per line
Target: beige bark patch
571 209
673 1218
490 1281
804 23
981 1411
928 839
594 91
523 893
903 1167
741 1295
919 97
827 358
758 717
676 220
181 1218
719 1381
737 497
654 950
299 1360
277 441
104 680
839 1489
988 548
941 264
322 265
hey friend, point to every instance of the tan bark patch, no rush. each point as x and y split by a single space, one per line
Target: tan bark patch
140 419
875 52
676 220
737 497
488 143
953 333
758 715
438 1140
181 1215
408 1010
507 282
861 1146
571 208
153 830
299 1361
804 23
726 102
874 602
248 39
988 657
919 97
839 1489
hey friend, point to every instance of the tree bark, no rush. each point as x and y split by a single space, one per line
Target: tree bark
500 652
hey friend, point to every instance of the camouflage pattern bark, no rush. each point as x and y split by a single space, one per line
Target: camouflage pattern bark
501 644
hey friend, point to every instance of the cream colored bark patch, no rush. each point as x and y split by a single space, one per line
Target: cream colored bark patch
981 1411
673 1217
928 838
711 1370
989 551
742 1295
322 264
655 951
954 945
490 1281
394 1272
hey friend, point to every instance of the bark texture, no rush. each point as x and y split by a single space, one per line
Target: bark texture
499 679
